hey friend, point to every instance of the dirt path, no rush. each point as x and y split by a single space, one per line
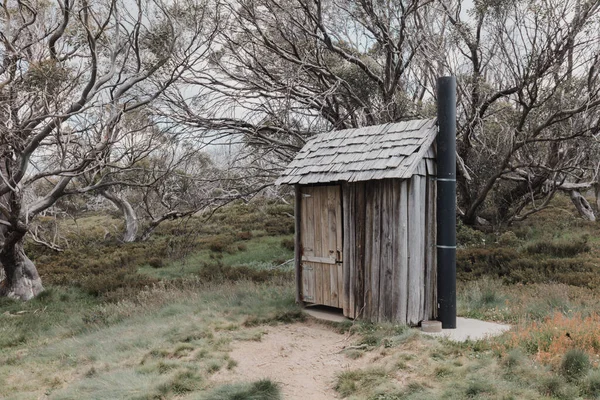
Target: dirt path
303 358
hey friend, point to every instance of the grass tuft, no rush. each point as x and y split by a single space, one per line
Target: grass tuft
261 390
513 359
592 384
287 317
352 382
575 365
478 387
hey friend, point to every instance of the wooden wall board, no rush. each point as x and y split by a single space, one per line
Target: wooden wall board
298 242
348 293
431 253
415 250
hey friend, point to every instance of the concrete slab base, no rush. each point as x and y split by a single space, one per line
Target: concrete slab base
471 329
326 313
431 326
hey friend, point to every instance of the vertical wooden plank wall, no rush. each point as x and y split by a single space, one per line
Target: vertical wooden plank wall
431 238
389 268
361 248
386 263
415 251
400 271
375 265
314 205
298 242
348 255
430 252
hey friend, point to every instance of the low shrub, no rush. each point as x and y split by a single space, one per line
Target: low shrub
513 267
559 248
156 262
279 226
467 236
553 386
575 365
474 263
219 243
217 272
244 235
289 244
592 384
508 238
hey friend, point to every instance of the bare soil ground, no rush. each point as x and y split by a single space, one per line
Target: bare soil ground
304 358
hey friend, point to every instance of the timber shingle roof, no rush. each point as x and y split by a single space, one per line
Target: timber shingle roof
374 152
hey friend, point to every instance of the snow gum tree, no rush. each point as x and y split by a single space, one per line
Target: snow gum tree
70 70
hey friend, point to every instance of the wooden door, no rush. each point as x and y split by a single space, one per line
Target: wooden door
321 236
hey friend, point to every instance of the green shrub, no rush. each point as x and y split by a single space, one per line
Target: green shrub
559 248
508 238
592 384
279 226
475 263
552 386
467 236
244 235
575 365
219 243
218 272
289 244
156 262
514 267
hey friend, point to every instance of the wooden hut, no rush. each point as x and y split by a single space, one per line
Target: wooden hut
366 221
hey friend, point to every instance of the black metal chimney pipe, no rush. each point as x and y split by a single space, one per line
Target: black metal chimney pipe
446 201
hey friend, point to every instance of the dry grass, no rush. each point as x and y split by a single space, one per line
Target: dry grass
549 340
164 342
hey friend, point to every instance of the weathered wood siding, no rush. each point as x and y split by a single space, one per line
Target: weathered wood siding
389 249
369 247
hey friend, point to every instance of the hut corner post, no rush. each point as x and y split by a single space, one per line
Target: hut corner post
298 244
446 201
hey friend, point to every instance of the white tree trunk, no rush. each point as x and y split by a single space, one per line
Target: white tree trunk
582 205
20 279
131 220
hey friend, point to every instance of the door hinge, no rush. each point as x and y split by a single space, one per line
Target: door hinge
308 298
